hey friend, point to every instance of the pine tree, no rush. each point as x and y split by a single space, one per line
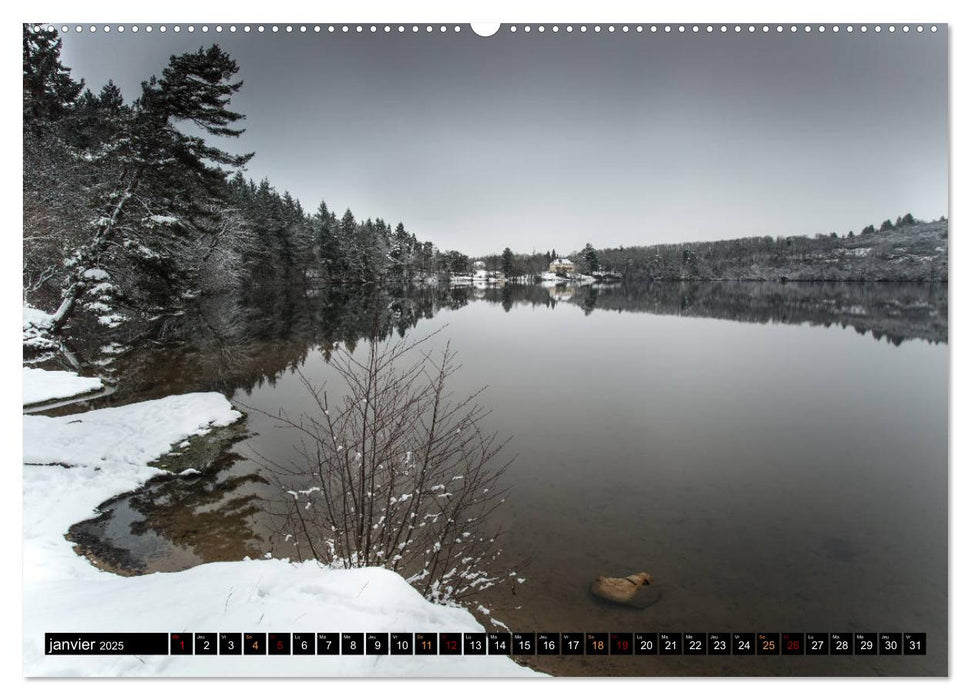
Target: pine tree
49 90
300 240
54 179
399 252
328 243
97 124
110 96
169 186
367 241
353 256
428 257
589 257
506 262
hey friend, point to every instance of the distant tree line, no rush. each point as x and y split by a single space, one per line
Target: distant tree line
904 250
129 215
289 245
907 250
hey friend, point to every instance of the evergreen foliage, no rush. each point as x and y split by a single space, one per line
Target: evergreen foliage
507 262
589 260
49 90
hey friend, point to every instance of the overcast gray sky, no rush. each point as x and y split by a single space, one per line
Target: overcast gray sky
540 141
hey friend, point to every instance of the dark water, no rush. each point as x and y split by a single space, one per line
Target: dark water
775 455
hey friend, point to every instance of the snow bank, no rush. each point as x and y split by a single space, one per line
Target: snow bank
248 596
36 317
44 385
37 324
551 279
107 451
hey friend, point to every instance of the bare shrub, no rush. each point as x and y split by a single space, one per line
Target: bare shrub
400 473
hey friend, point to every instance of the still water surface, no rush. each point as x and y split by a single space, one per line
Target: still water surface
779 472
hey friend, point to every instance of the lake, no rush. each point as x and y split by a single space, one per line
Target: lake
775 455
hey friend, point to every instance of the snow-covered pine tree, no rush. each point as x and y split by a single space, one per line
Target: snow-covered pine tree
398 252
167 191
300 239
588 257
350 242
53 179
373 244
326 231
49 90
98 122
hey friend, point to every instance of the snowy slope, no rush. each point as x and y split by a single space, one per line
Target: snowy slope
107 451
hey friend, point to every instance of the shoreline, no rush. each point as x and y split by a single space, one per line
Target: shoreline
74 463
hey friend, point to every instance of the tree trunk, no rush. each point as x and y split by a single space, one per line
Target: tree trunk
69 300
79 284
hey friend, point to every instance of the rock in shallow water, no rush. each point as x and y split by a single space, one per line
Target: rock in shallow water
620 590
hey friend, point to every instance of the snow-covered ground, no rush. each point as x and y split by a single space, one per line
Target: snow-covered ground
36 317
460 280
74 463
37 323
45 385
550 279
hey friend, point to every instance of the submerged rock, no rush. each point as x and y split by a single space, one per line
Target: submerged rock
620 590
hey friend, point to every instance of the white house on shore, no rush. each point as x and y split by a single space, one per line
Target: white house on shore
562 266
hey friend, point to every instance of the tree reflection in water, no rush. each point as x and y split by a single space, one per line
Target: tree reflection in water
174 522
238 345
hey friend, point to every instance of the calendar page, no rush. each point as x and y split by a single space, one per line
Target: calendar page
410 349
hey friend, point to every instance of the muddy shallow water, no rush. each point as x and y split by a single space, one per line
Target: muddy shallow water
771 468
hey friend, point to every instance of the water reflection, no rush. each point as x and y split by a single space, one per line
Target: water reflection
174 522
227 344
895 312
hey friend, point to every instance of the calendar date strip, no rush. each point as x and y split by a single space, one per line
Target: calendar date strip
488 643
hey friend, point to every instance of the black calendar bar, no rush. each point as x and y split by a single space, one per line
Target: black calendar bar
106 643
765 644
